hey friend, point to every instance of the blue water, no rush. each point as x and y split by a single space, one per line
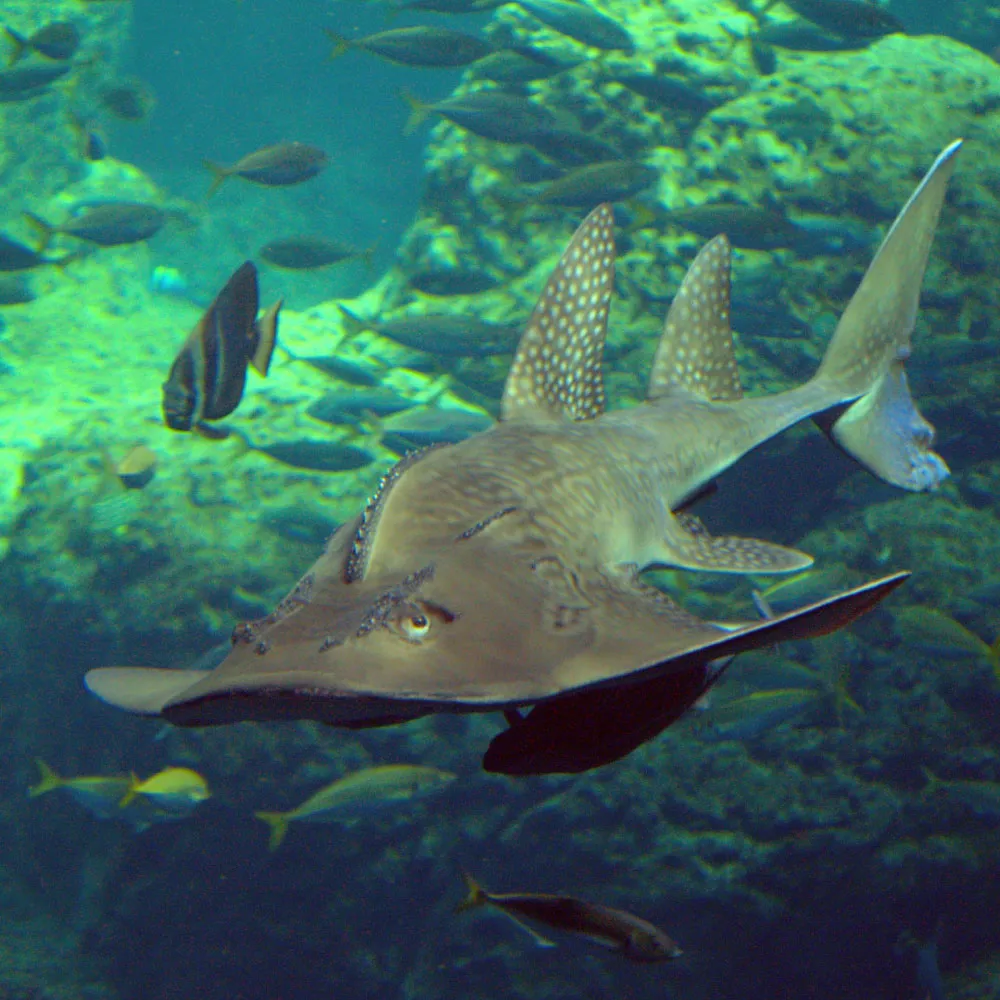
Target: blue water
811 858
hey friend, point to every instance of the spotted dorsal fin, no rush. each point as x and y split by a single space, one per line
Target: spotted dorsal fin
695 352
557 369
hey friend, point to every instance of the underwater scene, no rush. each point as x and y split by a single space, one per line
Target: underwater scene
499 499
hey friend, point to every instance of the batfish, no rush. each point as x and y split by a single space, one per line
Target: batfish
501 573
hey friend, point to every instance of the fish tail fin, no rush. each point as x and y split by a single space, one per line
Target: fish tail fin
340 43
994 656
48 780
419 112
475 894
843 701
133 790
265 334
44 229
353 324
219 174
869 412
20 44
278 822
933 781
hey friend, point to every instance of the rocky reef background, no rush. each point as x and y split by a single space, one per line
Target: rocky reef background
792 862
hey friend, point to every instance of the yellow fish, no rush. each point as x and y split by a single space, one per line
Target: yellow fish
358 794
99 795
172 793
939 634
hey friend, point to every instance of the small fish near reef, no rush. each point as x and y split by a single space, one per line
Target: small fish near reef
24 83
111 224
281 165
173 793
500 574
580 21
308 253
491 114
450 335
15 290
207 378
99 795
850 18
130 100
57 41
316 454
613 180
618 930
16 256
137 469
442 282
358 795
422 46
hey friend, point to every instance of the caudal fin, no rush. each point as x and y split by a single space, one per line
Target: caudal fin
19 43
475 894
278 822
48 780
45 231
219 175
340 43
419 112
864 364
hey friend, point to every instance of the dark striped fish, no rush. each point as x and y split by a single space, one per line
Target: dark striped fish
209 374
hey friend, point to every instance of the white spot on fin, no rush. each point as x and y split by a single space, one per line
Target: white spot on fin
557 368
696 348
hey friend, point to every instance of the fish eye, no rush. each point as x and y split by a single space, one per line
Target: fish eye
416 625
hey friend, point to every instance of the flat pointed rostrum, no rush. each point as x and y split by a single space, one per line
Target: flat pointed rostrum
501 573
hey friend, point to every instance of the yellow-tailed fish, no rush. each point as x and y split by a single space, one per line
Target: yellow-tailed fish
803 588
358 794
632 937
982 798
98 794
758 713
939 634
172 793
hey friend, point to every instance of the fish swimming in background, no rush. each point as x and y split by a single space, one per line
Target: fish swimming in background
580 21
207 378
422 426
491 114
24 83
520 64
58 40
306 253
850 18
16 256
173 793
420 46
281 165
110 224
501 574
128 100
360 794
137 468
444 281
91 142
584 187
101 796
981 798
450 335
938 634
630 936
15 290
